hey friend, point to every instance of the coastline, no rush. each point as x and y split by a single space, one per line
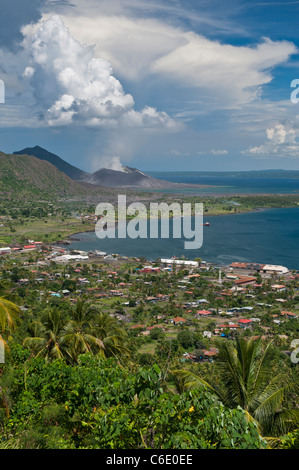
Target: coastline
239 238
259 209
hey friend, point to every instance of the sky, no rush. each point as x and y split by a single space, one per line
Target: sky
171 85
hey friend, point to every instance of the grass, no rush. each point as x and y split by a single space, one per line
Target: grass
47 230
148 348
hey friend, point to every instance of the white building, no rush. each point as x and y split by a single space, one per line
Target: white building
5 250
274 269
183 262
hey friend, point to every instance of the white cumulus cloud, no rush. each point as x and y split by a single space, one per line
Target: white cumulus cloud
281 141
71 85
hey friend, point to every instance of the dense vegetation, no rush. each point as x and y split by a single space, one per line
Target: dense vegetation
74 378
100 404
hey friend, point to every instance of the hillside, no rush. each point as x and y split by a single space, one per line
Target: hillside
70 170
25 175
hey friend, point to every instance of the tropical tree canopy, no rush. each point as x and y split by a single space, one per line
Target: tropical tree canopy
247 381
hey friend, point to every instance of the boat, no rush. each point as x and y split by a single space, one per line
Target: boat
206 224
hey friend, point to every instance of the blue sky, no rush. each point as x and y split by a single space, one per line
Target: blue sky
168 85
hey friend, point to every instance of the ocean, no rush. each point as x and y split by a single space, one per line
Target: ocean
231 183
263 236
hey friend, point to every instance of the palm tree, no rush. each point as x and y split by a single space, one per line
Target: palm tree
112 336
45 340
9 314
77 337
86 331
246 381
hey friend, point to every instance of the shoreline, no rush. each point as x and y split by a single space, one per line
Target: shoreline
88 243
259 209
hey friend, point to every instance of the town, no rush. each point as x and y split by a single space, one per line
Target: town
159 300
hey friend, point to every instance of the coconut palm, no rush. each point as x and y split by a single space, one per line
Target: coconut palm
247 381
45 339
86 331
112 336
9 314
77 337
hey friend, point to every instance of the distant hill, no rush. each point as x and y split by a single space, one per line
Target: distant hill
28 175
70 170
130 178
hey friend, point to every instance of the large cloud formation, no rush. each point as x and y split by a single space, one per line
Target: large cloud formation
71 85
220 75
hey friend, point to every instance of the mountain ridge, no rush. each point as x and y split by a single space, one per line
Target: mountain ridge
70 170
129 178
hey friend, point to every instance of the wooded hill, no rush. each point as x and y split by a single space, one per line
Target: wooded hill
24 175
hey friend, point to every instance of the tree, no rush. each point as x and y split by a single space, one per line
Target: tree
76 336
87 331
9 314
113 338
247 381
45 339
187 338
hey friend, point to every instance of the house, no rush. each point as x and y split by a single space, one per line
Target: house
245 281
5 250
211 352
238 265
244 323
149 269
202 301
204 312
65 292
288 314
152 299
231 326
178 320
278 287
207 334
117 293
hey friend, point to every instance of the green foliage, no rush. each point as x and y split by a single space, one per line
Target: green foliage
100 404
248 381
187 338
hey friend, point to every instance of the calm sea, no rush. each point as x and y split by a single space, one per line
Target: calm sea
266 236
229 183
